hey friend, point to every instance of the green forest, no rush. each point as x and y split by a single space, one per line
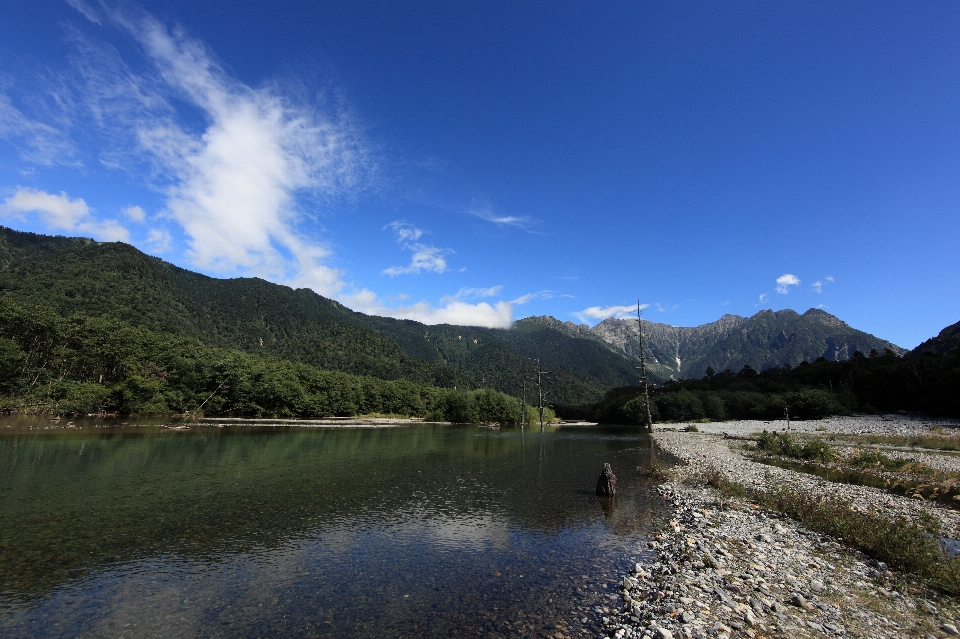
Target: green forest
115 280
97 366
920 382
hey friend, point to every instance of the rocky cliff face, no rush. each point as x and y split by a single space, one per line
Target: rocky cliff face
764 340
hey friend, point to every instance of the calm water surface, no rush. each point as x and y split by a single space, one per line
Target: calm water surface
243 531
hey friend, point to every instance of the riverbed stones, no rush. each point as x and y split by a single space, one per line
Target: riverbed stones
723 568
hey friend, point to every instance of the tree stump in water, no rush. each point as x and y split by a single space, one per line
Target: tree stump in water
607 484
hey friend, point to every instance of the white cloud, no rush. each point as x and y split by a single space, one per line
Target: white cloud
785 281
159 241
497 315
404 232
59 212
602 313
763 298
829 278
235 184
135 213
468 293
425 257
237 164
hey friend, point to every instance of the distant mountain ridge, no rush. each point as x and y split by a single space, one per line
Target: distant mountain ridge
765 340
79 275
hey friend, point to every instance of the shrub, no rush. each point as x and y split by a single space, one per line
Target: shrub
784 445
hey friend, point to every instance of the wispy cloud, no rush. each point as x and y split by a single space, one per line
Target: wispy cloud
37 142
60 213
472 293
539 295
818 285
241 167
486 212
425 256
595 313
763 298
785 281
236 184
663 309
159 241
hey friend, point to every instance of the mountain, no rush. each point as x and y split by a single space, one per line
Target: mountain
115 280
766 340
948 340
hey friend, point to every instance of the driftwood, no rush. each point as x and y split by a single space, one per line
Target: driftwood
607 484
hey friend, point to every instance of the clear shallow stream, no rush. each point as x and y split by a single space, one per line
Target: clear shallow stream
240 531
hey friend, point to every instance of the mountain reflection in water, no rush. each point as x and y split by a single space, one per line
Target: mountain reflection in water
245 531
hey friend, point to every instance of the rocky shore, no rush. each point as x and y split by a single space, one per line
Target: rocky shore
726 568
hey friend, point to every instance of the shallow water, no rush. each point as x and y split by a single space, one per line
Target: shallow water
246 531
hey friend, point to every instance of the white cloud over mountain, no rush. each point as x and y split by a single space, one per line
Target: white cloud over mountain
425 256
597 313
240 168
60 213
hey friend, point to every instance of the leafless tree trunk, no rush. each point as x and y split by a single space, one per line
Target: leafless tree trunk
643 371
540 393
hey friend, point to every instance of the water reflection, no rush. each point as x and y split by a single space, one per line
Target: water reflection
247 531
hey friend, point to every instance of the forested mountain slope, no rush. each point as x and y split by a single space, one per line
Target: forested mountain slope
947 341
78 275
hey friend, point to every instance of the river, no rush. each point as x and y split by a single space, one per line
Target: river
136 529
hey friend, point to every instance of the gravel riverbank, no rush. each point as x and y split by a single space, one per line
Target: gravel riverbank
725 568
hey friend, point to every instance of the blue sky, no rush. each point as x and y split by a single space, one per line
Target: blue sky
480 162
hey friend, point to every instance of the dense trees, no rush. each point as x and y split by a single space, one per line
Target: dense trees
115 280
923 382
90 365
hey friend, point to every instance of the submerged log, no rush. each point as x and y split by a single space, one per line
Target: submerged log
607 484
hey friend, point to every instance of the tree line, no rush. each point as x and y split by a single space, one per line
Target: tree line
94 365
917 383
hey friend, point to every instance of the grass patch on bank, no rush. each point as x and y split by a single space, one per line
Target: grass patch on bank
784 445
907 545
904 544
876 459
933 441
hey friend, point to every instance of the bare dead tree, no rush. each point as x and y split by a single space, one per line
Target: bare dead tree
523 394
643 371
540 393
